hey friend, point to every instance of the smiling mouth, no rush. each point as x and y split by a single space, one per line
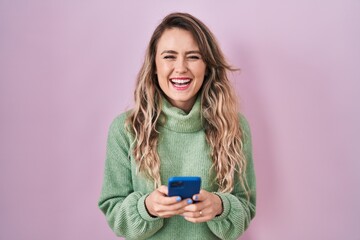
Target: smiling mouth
180 82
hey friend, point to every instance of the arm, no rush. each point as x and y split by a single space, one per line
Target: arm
237 210
123 207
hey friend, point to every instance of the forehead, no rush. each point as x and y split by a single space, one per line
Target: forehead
177 39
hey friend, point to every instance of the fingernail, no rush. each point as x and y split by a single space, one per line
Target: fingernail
189 201
196 197
178 199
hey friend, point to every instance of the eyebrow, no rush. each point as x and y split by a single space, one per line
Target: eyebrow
174 52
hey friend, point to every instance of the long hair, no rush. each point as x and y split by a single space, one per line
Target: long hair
218 107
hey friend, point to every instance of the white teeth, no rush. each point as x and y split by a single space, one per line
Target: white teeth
180 81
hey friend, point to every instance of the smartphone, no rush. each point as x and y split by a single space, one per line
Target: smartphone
185 187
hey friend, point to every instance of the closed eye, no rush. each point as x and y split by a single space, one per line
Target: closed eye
169 57
194 57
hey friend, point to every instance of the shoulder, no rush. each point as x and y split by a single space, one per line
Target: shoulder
244 126
121 118
118 124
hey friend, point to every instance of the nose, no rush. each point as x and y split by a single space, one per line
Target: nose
181 65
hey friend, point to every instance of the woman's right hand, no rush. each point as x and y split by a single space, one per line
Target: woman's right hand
160 205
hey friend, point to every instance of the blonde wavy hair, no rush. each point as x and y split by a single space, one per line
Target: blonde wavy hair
218 106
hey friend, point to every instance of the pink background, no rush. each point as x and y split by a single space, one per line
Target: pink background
67 68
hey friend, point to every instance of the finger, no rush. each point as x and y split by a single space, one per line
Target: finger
171 210
197 214
170 200
201 196
197 220
162 198
167 214
195 207
179 206
196 217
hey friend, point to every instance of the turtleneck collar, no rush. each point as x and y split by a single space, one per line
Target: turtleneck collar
178 120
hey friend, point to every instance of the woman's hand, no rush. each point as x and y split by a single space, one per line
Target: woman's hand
208 206
160 205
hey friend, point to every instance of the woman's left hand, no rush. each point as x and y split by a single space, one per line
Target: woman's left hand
207 206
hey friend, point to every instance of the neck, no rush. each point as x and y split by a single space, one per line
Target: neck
178 120
186 106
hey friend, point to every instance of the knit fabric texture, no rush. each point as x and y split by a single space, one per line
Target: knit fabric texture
183 151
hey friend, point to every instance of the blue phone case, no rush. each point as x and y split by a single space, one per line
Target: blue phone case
185 187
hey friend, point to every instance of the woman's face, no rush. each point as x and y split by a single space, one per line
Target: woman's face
179 67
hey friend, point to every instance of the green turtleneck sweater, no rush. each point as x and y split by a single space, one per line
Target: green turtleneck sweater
183 151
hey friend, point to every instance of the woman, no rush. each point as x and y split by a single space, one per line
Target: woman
184 123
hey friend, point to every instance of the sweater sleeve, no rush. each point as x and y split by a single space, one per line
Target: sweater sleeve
238 210
123 207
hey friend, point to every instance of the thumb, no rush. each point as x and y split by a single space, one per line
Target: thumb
163 189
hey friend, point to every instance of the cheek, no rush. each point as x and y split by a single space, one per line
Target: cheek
162 78
162 69
200 72
199 69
